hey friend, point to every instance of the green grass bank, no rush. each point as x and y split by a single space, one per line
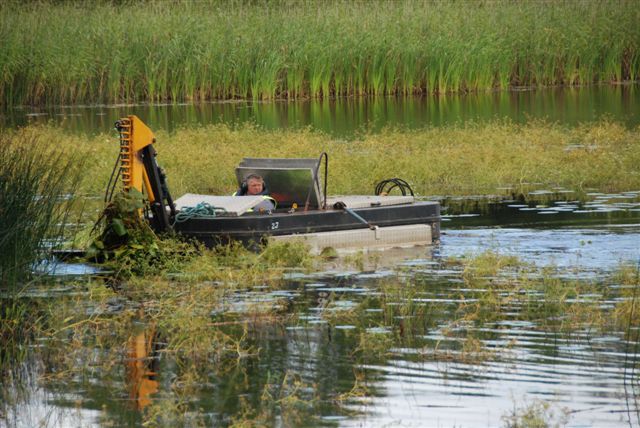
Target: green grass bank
90 52
453 160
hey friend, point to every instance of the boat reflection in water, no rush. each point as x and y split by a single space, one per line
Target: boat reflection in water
142 365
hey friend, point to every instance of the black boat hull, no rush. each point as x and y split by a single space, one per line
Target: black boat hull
254 228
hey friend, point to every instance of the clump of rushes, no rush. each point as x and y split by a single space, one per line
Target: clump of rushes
37 183
187 51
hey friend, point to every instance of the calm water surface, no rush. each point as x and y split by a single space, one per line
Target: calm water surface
585 376
347 117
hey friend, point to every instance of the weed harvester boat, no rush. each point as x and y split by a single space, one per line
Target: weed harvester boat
303 210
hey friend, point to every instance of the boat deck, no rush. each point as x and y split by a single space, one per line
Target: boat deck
235 206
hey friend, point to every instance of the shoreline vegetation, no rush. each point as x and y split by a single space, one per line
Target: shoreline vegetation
154 51
455 160
188 321
37 183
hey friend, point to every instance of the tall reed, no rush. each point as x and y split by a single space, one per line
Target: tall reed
36 185
71 52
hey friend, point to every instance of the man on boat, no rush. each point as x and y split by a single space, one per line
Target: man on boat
253 185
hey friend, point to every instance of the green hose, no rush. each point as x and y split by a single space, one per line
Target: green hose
202 210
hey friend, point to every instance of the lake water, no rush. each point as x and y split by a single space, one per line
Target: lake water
404 337
347 117
437 363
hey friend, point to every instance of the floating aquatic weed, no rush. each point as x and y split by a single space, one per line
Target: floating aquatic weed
287 254
483 269
225 146
173 408
288 399
539 413
374 344
627 306
494 292
408 318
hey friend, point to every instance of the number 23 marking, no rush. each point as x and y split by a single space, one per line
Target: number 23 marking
274 225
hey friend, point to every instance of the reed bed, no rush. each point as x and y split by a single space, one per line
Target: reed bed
453 160
74 52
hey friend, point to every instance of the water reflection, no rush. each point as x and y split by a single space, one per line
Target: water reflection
407 344
345 117
541 208
142 367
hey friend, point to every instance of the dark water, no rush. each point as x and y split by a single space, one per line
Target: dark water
584 376
347 117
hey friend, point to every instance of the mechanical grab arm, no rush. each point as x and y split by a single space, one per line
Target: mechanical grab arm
140 171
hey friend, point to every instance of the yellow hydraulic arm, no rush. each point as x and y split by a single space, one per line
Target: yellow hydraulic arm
139 170
134 136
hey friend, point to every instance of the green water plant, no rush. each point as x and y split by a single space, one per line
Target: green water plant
127 244
470 158
495 284
627 310
194 51
536 414
37 183
226 334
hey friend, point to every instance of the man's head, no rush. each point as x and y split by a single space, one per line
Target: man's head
255 184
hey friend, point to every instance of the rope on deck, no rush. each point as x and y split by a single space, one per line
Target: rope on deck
202 210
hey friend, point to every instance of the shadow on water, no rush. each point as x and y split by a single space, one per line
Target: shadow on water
345 117
542 208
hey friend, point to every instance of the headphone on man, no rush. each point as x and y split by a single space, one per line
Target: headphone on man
244 186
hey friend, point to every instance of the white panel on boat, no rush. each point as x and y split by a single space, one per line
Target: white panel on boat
365 201
393 236
233 205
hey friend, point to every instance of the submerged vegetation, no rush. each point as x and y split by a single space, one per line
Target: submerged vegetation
71 52
226 341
